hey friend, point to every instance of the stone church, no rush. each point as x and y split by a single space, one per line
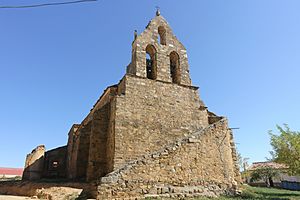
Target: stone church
150 135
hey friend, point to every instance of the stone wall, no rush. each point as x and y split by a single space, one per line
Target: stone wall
34 164
72 156
55 163
235 160
152 114
101 148
195 165
100 154
83 151
70 149
84 145
150 36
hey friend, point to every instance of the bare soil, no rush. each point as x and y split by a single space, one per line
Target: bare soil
8 197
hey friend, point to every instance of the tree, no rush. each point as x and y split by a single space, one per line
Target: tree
242 162
243 165
286 148
264 173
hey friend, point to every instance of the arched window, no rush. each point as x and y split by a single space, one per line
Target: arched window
162 35
151 63
175 67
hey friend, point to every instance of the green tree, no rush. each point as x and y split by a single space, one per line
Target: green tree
264 173
286 148
243 165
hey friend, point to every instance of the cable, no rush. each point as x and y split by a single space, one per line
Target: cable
47 4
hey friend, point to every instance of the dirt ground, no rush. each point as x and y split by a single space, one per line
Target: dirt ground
8 197
45 190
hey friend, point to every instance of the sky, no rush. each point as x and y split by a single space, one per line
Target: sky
56 61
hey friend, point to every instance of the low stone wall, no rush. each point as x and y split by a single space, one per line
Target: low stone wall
195 165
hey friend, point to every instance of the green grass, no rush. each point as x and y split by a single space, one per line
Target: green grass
17 178
261 193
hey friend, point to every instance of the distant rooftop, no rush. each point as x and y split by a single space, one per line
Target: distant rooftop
11 171
273 165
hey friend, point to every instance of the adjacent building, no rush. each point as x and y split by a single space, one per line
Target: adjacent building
7 173
282 180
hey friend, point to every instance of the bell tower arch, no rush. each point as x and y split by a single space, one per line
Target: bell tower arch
158 55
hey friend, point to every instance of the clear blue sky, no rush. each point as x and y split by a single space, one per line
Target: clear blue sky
56 61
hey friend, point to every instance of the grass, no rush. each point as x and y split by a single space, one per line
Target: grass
261 193
17 178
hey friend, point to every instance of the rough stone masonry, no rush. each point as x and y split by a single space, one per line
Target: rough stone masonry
150 135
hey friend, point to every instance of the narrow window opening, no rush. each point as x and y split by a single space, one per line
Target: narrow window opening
54 164
175 67
149 65
151 62
162 35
